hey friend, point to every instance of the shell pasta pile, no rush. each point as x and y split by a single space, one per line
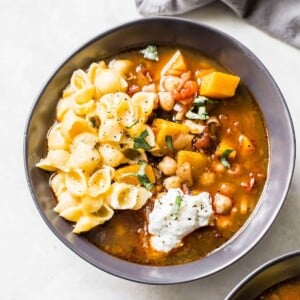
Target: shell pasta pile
163 148
86 145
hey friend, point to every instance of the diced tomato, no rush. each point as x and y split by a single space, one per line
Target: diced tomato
132 89
187 92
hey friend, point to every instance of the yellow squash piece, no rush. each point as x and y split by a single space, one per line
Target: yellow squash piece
197 160
124 174
219 85
222 147
167 128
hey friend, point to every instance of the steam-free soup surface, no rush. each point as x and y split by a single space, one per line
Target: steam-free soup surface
235 120
158 155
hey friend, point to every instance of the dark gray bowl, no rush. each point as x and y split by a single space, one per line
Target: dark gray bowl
271 273
228 52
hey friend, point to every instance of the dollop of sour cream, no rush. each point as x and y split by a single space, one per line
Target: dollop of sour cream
175 215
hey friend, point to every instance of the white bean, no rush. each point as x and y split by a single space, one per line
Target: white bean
170 83
166 101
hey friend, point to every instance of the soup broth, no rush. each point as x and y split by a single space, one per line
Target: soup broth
199 135
126 235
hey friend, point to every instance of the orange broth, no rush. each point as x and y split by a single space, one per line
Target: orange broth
125 235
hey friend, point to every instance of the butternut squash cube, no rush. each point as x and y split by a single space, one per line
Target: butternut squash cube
167 128
197 160
218 85
125 174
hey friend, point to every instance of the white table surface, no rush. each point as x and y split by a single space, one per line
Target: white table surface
35 37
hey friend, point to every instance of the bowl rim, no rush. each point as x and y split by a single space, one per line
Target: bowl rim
184 267
260 269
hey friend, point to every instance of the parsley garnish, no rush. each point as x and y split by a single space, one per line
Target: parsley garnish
169 142
140 142
128 127
198 110
201 100
224 158
143 178
178 202
131 154
150 53
201 114
93 122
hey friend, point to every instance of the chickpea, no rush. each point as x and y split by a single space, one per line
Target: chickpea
222 204
184 172
172 182
227 189
166 100
168 166
218 167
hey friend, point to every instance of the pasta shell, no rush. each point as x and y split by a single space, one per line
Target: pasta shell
76 182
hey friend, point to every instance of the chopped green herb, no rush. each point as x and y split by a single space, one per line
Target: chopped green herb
198 110
140 162
201 100
128 127
140 142
200 115
143 178
145 181
178 202
131 154
203 113
150 53
93 122
192 116
224 158
169 142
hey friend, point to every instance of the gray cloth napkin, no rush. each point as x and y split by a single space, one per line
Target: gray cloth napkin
279 18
